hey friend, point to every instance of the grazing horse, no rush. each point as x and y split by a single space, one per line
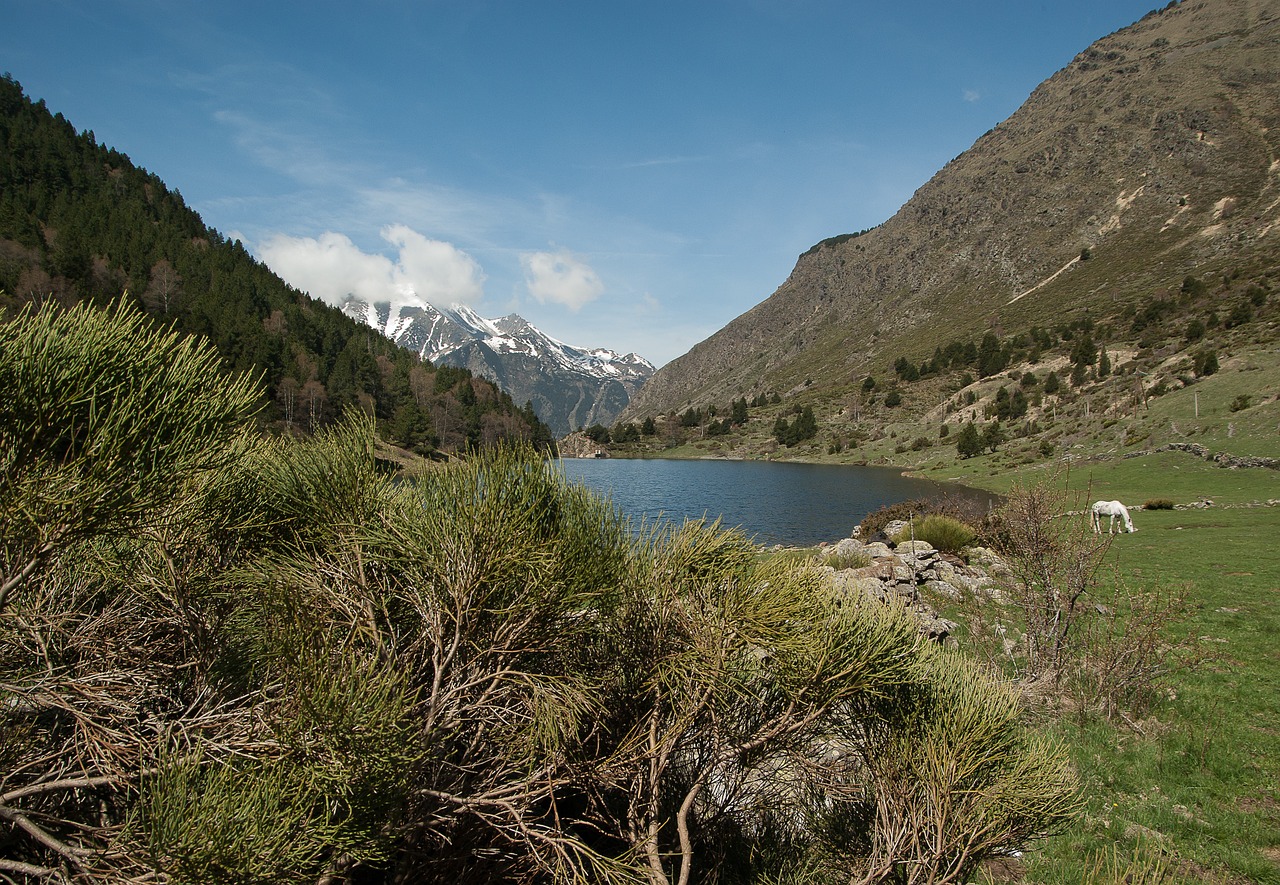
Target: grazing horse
1111 509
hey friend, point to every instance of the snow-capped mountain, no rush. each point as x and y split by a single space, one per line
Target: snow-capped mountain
570 387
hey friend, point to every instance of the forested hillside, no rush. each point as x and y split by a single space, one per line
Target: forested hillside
80 222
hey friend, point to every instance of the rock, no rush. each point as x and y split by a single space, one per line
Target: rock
878 550
918 549
853 584
988 561
881 570
944 588
893 527
847 548
938 629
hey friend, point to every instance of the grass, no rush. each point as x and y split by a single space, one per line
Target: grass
1200 778
1195 778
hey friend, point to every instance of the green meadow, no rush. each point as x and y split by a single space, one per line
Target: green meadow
1187 790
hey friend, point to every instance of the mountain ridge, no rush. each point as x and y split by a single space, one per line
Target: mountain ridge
1159 141
568 387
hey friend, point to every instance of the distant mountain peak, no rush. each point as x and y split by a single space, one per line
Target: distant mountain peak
569 387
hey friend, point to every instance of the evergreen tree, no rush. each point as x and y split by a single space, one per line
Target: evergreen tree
1206 363
992 358
1084 352
993 436
968 441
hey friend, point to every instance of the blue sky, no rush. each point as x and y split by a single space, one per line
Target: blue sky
624 175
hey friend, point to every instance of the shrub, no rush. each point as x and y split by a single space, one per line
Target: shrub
1074 624
1158 504
270 662
841 561
944 532
1241 402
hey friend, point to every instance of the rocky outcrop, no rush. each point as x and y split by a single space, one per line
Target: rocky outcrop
1222 459
913 572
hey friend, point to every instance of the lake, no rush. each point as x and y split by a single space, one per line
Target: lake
772 502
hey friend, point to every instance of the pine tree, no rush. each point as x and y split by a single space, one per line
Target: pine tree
968 442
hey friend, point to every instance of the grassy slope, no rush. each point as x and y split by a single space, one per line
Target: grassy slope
1198 785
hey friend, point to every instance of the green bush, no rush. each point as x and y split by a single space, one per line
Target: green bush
1158 504
840 561
943 532
270 662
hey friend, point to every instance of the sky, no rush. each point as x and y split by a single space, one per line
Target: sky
628 175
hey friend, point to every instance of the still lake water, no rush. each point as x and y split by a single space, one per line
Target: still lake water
772 502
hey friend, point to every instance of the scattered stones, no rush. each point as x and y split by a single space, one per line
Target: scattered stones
1222 459
901 571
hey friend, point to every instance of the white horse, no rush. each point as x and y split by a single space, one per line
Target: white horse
1111 509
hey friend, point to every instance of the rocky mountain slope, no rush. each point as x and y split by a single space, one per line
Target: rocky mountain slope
569 387
1154 154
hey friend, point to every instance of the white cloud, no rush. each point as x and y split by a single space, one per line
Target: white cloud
331 267
972 95
560 278
438 272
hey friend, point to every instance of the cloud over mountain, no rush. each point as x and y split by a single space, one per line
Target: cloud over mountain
560 278
333 268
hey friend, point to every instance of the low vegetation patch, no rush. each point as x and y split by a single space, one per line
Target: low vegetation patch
945 533
840 561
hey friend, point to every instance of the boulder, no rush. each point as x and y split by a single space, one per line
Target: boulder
944 588
893 527
877 550
847 547
921 550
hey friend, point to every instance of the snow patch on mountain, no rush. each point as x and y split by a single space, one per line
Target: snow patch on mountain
570 387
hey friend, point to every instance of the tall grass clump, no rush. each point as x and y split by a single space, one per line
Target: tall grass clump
229 658
945 533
